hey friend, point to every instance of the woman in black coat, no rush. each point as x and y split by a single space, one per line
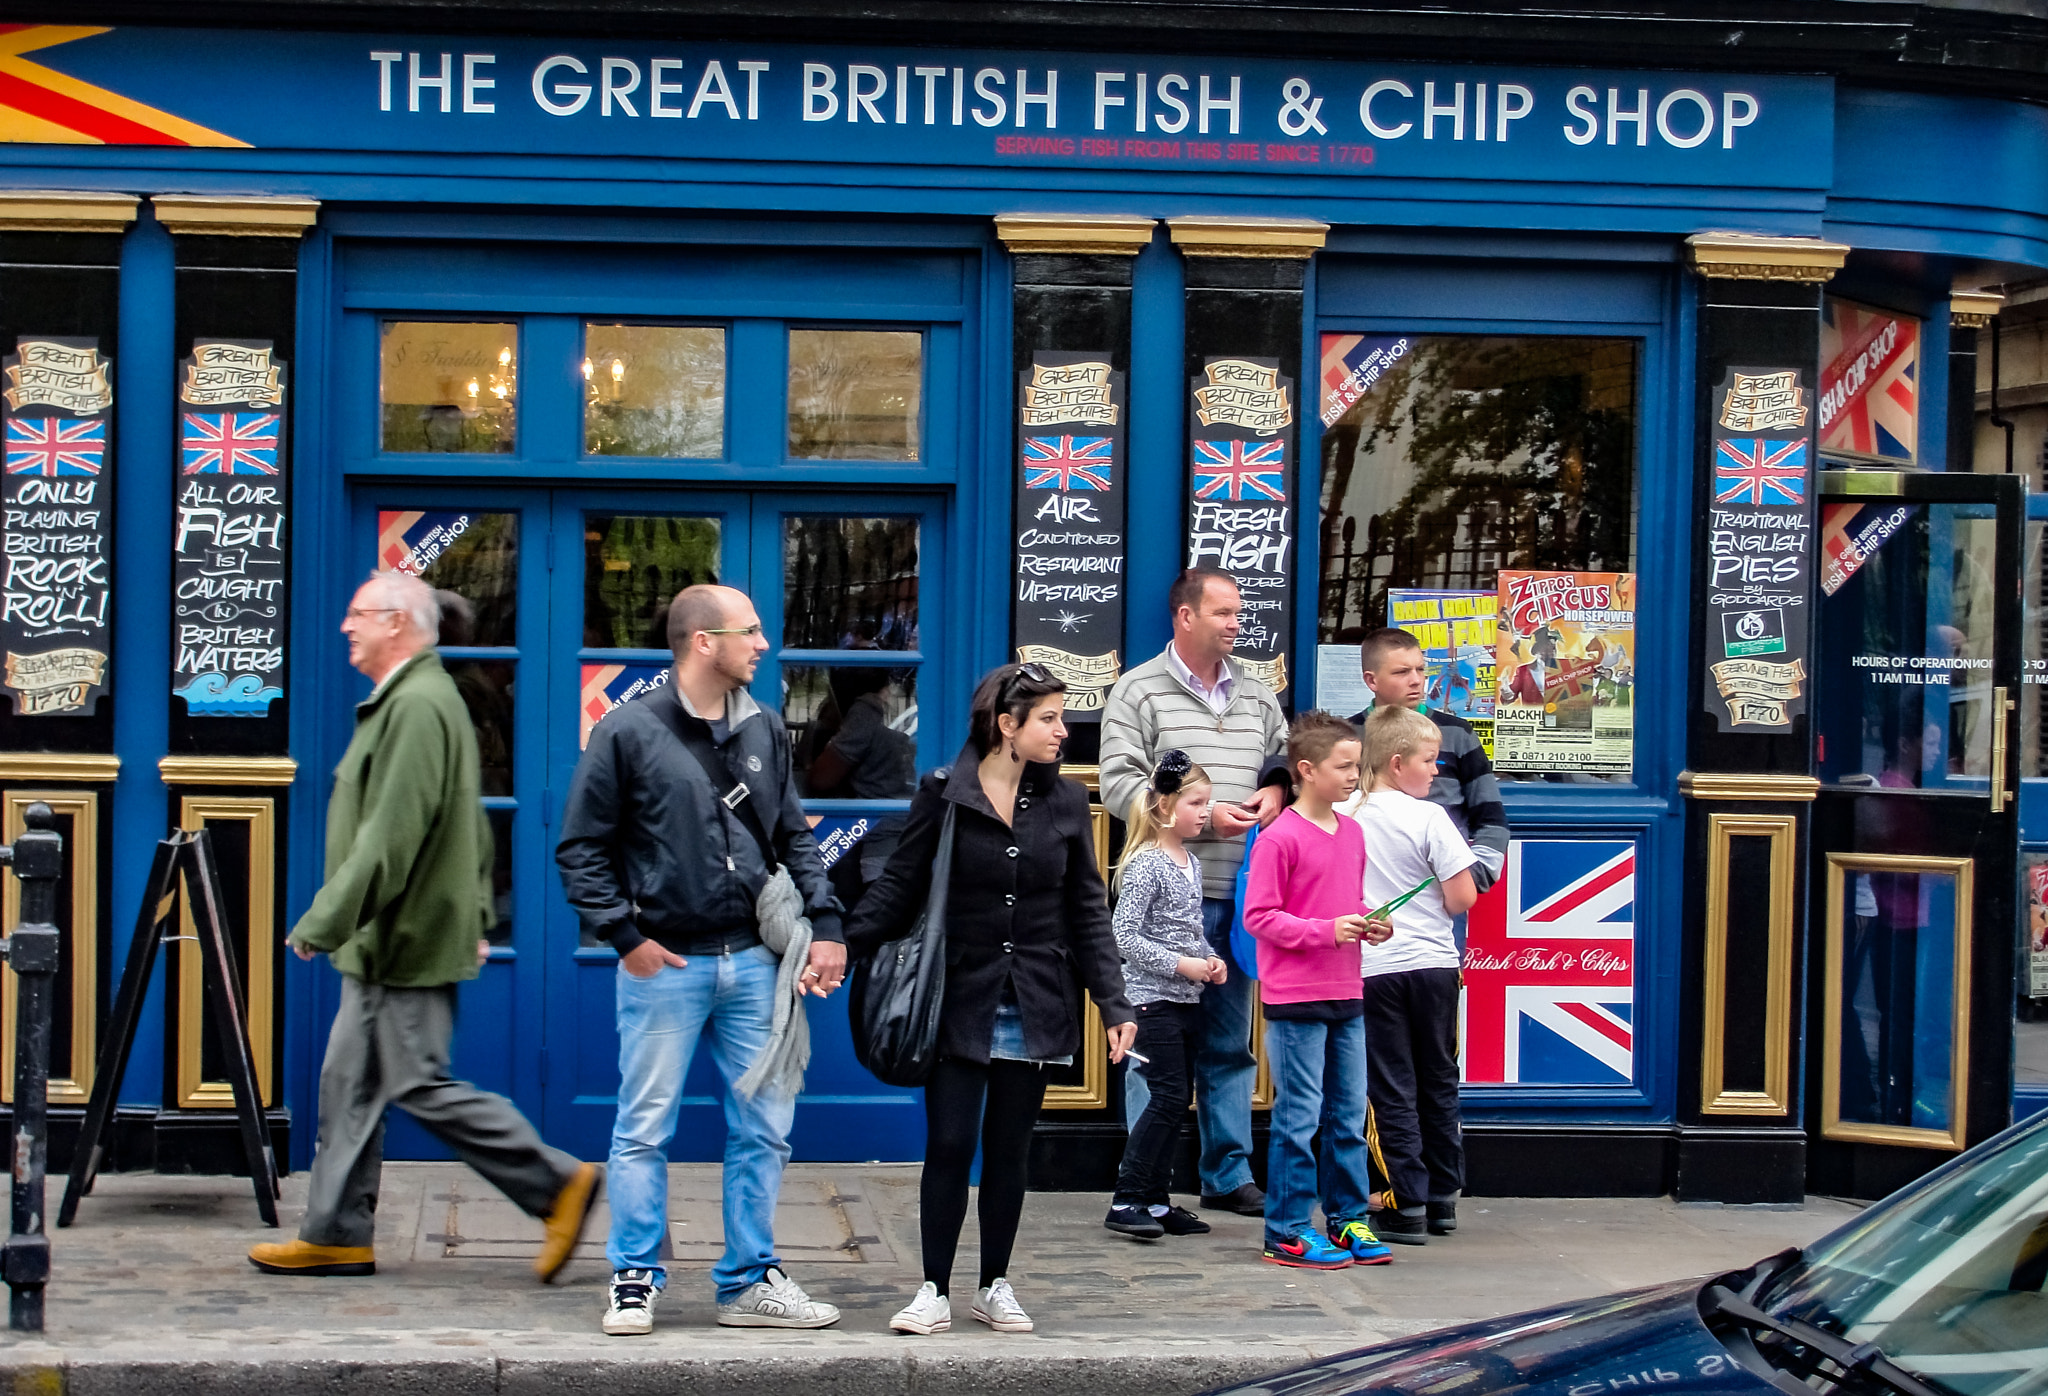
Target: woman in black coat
1027 924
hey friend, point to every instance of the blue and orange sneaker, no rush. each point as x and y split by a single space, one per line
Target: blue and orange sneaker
1366 1249
1305 1250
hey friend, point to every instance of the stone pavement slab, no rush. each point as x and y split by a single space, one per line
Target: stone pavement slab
151 1292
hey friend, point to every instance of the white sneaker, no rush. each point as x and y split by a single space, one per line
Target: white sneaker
632 1311
927 1312
776 1301
997 1307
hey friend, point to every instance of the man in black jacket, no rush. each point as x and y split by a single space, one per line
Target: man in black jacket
682 806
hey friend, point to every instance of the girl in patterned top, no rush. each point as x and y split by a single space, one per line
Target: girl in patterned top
1167 960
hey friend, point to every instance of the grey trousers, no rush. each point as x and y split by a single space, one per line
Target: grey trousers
390 1047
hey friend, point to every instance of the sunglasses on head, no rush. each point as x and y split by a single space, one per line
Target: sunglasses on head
1035 673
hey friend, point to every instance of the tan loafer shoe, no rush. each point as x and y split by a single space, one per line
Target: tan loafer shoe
566 1220
305 1258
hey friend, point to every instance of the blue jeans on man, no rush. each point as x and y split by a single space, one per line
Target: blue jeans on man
1225 1069
660 1020
1318 1083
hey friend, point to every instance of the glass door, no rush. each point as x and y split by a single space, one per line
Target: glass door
1916 832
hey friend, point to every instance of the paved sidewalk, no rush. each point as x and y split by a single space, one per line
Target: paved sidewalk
152 1294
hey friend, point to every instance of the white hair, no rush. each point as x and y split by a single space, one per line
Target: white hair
407 593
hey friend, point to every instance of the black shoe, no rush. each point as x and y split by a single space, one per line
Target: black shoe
1179 1221
1134 1220
1399 1229
1246 1201
1443 1218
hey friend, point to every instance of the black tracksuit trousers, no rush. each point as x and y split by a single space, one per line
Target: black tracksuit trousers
1411 1050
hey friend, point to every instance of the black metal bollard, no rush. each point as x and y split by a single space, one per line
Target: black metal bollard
37 858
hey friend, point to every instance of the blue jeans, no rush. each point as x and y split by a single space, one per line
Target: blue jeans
1225 1069
1318 1080
660 1020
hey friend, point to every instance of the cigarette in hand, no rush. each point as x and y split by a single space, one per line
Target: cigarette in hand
1139 1057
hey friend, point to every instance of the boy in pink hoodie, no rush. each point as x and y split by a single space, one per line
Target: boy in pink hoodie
1304 906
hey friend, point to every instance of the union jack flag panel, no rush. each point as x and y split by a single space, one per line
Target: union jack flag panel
1869 381
1068 462
230 443
1759 472
1550 968
1240 470
55 445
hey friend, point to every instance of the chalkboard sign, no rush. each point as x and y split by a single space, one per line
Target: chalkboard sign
1241 515
1759 553
229 586
1067 612
57 518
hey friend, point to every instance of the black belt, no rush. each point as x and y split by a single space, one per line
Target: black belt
724 943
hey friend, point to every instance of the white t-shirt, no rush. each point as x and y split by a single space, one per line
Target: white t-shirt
1406 840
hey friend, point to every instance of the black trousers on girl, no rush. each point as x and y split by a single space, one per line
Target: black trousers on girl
1168 1034
997 1105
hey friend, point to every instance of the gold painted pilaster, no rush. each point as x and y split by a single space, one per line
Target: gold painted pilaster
81 947
228 770
1734 786
1776 1097
1289 239
1086 234
58 211
259 812
1974 310
259 216
1748 257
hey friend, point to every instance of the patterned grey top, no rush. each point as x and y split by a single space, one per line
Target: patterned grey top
1158 920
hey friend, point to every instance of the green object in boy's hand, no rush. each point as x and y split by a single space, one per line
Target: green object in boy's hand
1395 905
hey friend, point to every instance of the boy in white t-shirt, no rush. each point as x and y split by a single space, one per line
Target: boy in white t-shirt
1412 980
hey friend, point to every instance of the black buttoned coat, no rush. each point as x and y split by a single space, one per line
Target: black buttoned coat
1025 908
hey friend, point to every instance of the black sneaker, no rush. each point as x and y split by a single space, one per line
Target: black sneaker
1246 1201
1132 1219
1399 1229
1443 1218
1179 1221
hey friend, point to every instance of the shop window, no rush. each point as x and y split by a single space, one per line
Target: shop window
488 687
858 730
849 583
855 394
449 386
1450 460
654 390
633 566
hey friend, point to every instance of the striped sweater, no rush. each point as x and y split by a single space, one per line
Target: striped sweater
1151 712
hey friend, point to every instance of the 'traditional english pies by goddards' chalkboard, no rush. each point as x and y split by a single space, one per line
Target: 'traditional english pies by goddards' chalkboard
1241 517
56 524
229 565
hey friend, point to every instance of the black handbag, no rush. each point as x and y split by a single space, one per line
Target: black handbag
897 991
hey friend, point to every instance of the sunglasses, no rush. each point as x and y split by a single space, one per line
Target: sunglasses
1034 673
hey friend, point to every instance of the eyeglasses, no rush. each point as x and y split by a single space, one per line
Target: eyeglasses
750 631
1036 673
359 612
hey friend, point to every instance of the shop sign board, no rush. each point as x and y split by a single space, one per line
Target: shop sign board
1564 658
1067 611
229 581
605 686
56 524
1352 365
1759 553
1459 634
1241 505
1869 403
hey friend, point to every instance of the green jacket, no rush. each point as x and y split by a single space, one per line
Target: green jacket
408 889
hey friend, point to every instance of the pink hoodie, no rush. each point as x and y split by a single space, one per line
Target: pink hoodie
1302 879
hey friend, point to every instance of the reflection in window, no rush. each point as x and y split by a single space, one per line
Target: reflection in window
654 390
470 559
1898 997
2030 1058
855 394
2034 655
633 566
501 875
449 387
854 730
849 583
486 687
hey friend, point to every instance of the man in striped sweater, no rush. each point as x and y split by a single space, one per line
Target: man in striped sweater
1196 698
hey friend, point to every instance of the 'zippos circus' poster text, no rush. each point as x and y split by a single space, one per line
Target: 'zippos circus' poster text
1565 656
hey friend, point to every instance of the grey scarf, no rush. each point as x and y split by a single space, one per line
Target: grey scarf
779 917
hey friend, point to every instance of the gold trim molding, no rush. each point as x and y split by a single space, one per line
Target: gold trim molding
1087 234
58 765
228 770
1776 1096
1730 785
1748 257
258 966
58 211
1093 1092
1973 310
237 215
81 948
1289 239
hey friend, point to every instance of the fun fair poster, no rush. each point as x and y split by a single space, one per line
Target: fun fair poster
1458 634
1565 658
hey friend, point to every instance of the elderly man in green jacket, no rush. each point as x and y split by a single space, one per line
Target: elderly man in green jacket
402 915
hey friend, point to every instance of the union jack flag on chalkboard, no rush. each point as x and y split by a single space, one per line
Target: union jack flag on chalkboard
55 445
1760 472
230 443
1068 462
1240 470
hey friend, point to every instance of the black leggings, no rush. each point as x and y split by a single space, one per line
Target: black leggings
954 1114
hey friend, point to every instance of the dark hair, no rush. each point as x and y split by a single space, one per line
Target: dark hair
1377 644
1314 735
1014 689
1189 587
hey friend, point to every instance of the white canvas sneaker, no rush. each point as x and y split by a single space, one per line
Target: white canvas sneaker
927 1312
632 1309
997 1307
776 1301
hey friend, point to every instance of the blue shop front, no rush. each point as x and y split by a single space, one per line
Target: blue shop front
1643 395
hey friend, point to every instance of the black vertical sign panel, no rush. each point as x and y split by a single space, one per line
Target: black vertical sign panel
1242 505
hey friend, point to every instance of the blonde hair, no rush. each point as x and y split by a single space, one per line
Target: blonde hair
1391 732
1151 813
